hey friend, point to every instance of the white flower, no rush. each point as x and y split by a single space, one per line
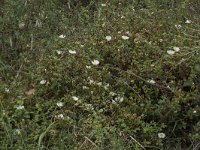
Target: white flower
112 93
67 117
119 99
62 36
88 67
38 23
194 111
176 49
43 81
124 37
99 83
170 52
72 52
152 65
106 86
103 5
114 102
59 104
17 131
7 90
82 45
85 87
161 135
21 25
178 26
89 106
122 17
101 110
188 21
151 81
59 52
60 116
75 98
160 40
91 81
108 38
95 62
20 107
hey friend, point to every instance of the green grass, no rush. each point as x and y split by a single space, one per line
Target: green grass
63 85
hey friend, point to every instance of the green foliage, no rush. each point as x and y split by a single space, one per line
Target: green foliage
99 75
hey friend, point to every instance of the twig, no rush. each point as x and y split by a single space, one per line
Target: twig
154 84
197 146
69 5
142 79
82 144
192 29
18 72
11 43
90 141
137 142
31 42
183 60
117 79
43 134
87 139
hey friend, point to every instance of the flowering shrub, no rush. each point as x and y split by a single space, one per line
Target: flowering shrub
125 77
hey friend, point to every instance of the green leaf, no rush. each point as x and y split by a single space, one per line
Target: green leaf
197 67
187 83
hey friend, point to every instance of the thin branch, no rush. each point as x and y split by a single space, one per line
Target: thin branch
90 141
18 72
119 79
183 60
142 79
68 3
82 144
196 37
31 42
197 146
137 142
192 29
11 43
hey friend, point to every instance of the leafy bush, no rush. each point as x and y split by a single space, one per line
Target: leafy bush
124 77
